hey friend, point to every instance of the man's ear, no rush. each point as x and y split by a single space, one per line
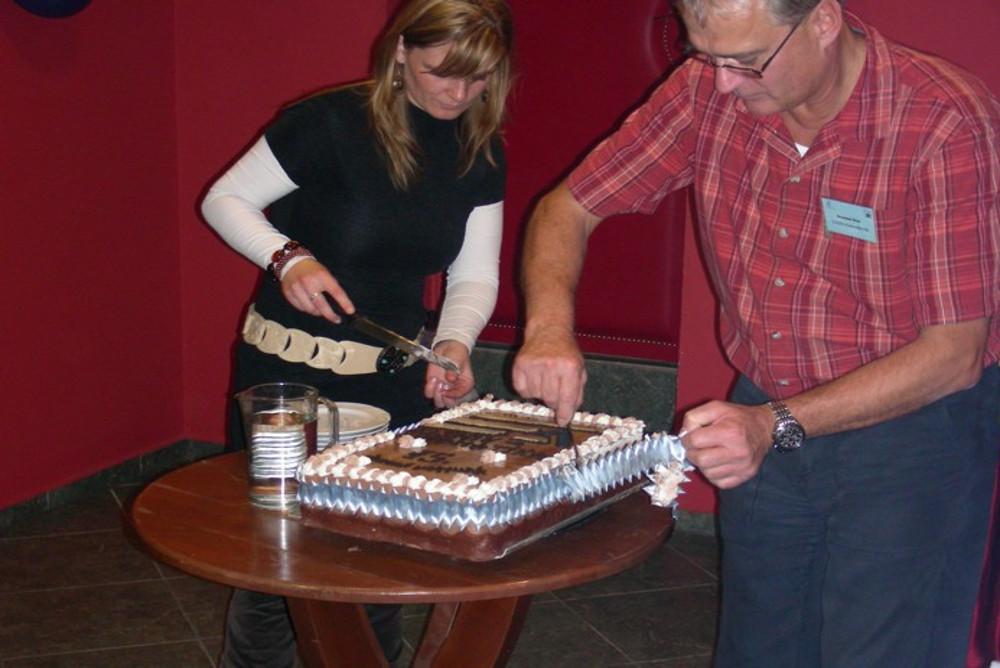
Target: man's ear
826 21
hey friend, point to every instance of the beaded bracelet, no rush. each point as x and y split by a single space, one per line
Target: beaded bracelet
281 257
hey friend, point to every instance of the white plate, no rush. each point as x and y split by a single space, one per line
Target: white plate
355 420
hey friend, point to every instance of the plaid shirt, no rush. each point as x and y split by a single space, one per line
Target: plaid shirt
916 143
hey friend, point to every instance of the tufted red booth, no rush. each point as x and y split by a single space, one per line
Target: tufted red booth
580 66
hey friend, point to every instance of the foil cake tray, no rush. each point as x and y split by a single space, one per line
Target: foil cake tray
504 521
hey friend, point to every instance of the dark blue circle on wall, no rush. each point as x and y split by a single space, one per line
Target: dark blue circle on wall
53 9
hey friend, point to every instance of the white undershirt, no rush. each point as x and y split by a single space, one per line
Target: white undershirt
234 207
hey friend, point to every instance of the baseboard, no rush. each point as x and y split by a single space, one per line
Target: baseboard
136 471
704 524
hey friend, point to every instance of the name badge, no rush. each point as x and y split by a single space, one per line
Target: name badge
849 219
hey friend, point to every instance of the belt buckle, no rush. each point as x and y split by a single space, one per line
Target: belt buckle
391 360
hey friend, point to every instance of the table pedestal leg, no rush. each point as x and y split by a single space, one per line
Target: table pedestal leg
476 633
332 635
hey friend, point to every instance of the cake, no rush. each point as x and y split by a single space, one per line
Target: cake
484 478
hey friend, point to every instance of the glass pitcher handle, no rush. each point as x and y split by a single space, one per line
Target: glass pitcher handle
334 421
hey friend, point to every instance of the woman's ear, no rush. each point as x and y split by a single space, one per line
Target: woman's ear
400 51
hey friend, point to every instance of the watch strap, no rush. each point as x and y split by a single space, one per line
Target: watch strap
780 410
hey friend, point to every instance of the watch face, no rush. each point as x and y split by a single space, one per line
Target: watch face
788 435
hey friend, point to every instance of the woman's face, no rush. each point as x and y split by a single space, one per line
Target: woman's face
441 97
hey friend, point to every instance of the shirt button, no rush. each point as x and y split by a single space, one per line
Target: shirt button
783 233
795 179
775 335
784 383
779 283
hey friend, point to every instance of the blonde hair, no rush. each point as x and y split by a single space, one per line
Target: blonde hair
480 33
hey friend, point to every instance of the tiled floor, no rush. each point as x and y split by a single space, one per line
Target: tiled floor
74 593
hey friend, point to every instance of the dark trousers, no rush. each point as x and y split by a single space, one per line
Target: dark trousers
259 632
864 548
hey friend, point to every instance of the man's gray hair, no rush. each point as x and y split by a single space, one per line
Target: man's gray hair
784 11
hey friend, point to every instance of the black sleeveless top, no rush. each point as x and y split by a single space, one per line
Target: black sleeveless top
379 242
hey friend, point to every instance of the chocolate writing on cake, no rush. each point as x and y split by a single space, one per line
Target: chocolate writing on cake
428 461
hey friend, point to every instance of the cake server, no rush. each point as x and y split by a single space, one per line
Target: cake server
391 338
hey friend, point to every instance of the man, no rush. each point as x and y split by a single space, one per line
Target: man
846 193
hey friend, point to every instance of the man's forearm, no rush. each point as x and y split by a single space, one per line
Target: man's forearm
549 366
943 360
554 249
728 442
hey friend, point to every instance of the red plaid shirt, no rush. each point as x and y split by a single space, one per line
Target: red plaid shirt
916 142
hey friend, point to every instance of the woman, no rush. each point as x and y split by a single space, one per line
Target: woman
369 189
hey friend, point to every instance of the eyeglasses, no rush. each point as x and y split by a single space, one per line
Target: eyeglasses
751 72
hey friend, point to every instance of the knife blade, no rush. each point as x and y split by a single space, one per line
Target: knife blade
387 336
391 338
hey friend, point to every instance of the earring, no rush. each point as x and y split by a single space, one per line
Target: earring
397 78
485 97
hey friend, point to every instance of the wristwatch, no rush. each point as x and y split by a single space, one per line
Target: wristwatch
788 434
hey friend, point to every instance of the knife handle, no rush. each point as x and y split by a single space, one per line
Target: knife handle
345 317
391 360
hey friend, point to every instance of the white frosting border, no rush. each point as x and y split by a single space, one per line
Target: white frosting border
341 464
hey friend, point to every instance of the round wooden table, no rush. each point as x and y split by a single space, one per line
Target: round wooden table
198 519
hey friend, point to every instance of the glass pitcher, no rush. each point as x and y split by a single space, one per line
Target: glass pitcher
279 424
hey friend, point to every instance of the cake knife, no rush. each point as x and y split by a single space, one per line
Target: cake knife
564 439
391 338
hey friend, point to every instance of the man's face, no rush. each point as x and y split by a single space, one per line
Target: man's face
747 36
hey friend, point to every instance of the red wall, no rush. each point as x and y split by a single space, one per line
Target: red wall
122 306
91 362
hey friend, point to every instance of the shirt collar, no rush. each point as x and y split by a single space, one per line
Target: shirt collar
867 115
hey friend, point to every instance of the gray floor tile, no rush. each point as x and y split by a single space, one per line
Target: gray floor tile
212 647
657 625
700 661
90 618
555 637
173 655
413 627
665 568
203 604
47 562
702 550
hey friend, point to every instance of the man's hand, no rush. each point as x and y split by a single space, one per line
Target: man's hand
728 442
550 367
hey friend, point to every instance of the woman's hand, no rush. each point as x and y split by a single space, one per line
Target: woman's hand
446 388
305 285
